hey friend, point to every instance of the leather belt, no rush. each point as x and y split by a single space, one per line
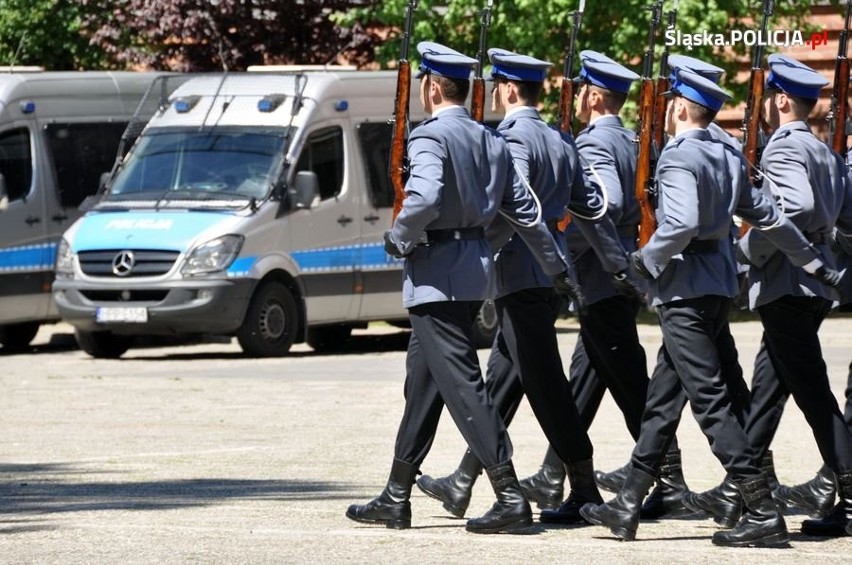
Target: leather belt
454 234
816 238
697 246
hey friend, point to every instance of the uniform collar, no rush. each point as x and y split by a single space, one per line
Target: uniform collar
519 111
440 111
789 128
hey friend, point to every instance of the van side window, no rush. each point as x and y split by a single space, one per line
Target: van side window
323 154
80 154
375 140
16 162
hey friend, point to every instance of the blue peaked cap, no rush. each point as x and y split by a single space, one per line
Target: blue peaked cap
698 89
512 66
440 60
793 77
697 66
599 70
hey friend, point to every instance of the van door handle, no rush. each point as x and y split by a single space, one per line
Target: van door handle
59 218
372 218
343 220
32 220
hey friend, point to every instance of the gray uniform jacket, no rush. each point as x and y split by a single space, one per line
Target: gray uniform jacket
548 160
701 183
461 174
608 148
809 182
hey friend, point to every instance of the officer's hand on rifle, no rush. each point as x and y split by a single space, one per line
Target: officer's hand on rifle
624 286
390 246
639 265
569 290
828 276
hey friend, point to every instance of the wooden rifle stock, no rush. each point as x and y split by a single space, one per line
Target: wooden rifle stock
566 93
645 137
398 156
647 219
398 159
477 92
840 94
838 135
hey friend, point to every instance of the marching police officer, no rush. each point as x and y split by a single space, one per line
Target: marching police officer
810 182
461 174
690 263
526 346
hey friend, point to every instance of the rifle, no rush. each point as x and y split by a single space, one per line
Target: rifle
647 221
398 162
751 116
566 92
839 95
477 97
663 85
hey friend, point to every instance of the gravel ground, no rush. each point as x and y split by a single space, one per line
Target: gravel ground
195 454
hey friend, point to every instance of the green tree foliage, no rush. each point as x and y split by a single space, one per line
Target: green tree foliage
45 33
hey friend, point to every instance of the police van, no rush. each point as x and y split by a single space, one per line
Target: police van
58 132
251 205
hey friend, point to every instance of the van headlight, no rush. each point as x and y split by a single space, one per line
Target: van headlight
212 256
64 260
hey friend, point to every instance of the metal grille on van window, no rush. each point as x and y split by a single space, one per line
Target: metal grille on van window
127 263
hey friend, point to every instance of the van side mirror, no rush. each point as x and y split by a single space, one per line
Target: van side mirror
305 191
4 195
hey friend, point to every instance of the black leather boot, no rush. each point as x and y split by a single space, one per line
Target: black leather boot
838 522
723 503
511 514
761 524
454 491
545 488
665 501
612 481
815 497
392 508
621 514
583 491
767 465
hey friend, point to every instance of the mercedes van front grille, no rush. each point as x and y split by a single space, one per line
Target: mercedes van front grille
127 263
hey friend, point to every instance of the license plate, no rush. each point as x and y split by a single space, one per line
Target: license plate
121 315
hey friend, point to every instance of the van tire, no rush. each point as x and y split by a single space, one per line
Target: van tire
485 325
103 345
17 337
329 338
269 328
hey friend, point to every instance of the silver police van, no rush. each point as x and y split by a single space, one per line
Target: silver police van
251 205
58 132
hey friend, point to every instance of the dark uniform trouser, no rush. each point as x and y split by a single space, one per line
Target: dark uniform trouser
442 368
689 368
589 389
790 362
527 334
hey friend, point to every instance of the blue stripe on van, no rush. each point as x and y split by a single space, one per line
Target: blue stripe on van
28 258
345 258
241 267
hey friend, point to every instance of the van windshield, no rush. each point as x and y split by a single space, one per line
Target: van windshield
213 164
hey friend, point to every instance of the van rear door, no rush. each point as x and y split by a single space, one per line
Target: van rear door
26 253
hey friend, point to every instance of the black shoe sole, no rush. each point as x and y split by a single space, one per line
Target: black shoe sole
390 524
521 527
779 541
623 534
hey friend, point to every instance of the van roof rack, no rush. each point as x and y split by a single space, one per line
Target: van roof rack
299 68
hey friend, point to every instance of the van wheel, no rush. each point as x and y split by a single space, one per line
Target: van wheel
329 338
269 328
17 337
103 345
485 325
